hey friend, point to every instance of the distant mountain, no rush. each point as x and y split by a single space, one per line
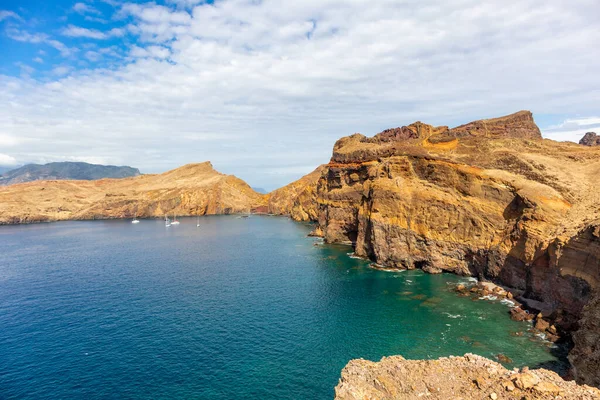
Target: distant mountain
6 169
65 170
259 190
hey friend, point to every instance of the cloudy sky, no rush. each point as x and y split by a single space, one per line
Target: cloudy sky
263 88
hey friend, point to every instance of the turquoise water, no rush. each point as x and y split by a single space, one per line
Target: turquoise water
238 308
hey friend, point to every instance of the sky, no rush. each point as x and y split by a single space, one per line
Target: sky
264 88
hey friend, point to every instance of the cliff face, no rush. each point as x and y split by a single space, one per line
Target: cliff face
490 199
590 139
585 356
194 189
298 199
65 170
468 377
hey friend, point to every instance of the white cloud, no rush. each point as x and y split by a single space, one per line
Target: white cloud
7 160
150 51
39 38
83 8
4 14
264 88
77 31
573 129
93 56
38 60
61 70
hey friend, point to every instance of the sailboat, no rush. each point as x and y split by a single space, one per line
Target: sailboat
167 221
175 222
135 220
198 222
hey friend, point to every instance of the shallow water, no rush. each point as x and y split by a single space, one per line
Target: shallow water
237 308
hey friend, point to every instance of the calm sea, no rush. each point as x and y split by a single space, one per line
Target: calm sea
234 309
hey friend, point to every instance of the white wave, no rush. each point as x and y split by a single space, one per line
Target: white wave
453 315
488 297
508 302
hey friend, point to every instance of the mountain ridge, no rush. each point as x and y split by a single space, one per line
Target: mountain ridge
65 170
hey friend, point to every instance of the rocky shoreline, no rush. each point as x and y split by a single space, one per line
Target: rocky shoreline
468 378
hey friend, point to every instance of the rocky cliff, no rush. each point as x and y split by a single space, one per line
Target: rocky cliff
468 377
590 139
490 198
585 356
298 199
194 189
65 170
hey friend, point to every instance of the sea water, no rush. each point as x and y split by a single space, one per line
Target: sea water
238 308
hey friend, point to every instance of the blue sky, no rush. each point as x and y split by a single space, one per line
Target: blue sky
263 89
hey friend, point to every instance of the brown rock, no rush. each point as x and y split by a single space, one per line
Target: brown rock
525 380
542 325
590 139
504 359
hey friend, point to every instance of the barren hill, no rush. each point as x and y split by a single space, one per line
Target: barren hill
194 189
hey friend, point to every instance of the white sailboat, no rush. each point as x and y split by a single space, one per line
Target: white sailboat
135 220
198 222
175 222
167 221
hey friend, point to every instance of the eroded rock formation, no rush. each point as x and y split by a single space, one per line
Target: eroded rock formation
468 377
590 139
194 189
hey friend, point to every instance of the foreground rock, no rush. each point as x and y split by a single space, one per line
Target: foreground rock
468 377
590 139
194 189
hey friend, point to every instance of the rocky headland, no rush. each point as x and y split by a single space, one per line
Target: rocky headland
490 199
194 189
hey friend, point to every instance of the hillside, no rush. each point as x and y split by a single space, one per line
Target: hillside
194 189
65 171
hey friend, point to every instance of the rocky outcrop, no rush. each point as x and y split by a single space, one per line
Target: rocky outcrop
490 198
65 170
298 199
585 356
468 377
194 189
590 139
518 125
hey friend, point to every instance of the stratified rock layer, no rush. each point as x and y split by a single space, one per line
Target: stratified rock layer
194 189
468 377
